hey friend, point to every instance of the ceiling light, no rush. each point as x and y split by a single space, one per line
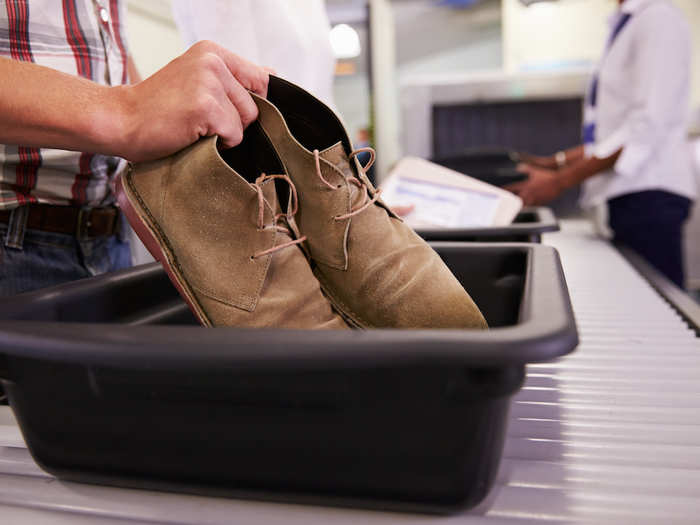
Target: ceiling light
345 42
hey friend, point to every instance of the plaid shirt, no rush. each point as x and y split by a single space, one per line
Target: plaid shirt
79 37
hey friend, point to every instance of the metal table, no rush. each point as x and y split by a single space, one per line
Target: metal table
610 434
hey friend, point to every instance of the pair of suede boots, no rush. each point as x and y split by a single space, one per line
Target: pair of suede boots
285 230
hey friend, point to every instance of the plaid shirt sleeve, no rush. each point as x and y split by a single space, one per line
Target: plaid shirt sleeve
86 38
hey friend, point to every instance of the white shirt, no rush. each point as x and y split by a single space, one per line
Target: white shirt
291 37
642 106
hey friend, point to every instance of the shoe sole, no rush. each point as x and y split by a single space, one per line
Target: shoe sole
155 241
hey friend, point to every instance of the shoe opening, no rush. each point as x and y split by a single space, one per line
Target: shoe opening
311 122
254 156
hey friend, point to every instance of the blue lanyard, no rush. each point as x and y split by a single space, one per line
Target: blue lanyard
589 127
621 23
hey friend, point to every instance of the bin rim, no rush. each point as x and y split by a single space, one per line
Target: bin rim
546 223
546 330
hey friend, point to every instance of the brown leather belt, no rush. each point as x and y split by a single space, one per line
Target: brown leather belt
71 220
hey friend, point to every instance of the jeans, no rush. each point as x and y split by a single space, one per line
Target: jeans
651 224
32 259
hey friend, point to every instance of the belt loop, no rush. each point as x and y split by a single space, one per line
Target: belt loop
121 227
83 224
16 227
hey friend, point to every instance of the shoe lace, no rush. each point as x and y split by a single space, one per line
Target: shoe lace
366 200
261 213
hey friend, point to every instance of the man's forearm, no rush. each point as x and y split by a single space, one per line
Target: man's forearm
544 185
552 162
42 107
584 168
575 154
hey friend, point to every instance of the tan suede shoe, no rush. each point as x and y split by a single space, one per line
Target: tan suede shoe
374 268
220 238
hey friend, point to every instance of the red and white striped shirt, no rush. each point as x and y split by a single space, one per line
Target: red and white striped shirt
79 37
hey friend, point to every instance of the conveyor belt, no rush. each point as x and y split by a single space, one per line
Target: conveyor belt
610 434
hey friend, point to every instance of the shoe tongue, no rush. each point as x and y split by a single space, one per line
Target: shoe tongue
270 194
336 155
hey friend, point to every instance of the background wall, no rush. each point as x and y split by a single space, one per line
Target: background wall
691 8
553 34
153 38
432 39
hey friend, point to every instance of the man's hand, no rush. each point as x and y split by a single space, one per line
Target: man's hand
201 93
542 185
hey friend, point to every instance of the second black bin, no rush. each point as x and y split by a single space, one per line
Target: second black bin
528 226
403 419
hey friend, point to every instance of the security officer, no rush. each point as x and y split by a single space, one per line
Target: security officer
634 158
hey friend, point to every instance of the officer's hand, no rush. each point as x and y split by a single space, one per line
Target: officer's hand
402 211
541 186
201 93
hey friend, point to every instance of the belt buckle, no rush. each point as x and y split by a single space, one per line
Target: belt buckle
83 224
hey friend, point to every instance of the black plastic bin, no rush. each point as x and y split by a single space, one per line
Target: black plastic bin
399 419
528 226
496 167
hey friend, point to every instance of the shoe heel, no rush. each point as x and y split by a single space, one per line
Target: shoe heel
145 231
